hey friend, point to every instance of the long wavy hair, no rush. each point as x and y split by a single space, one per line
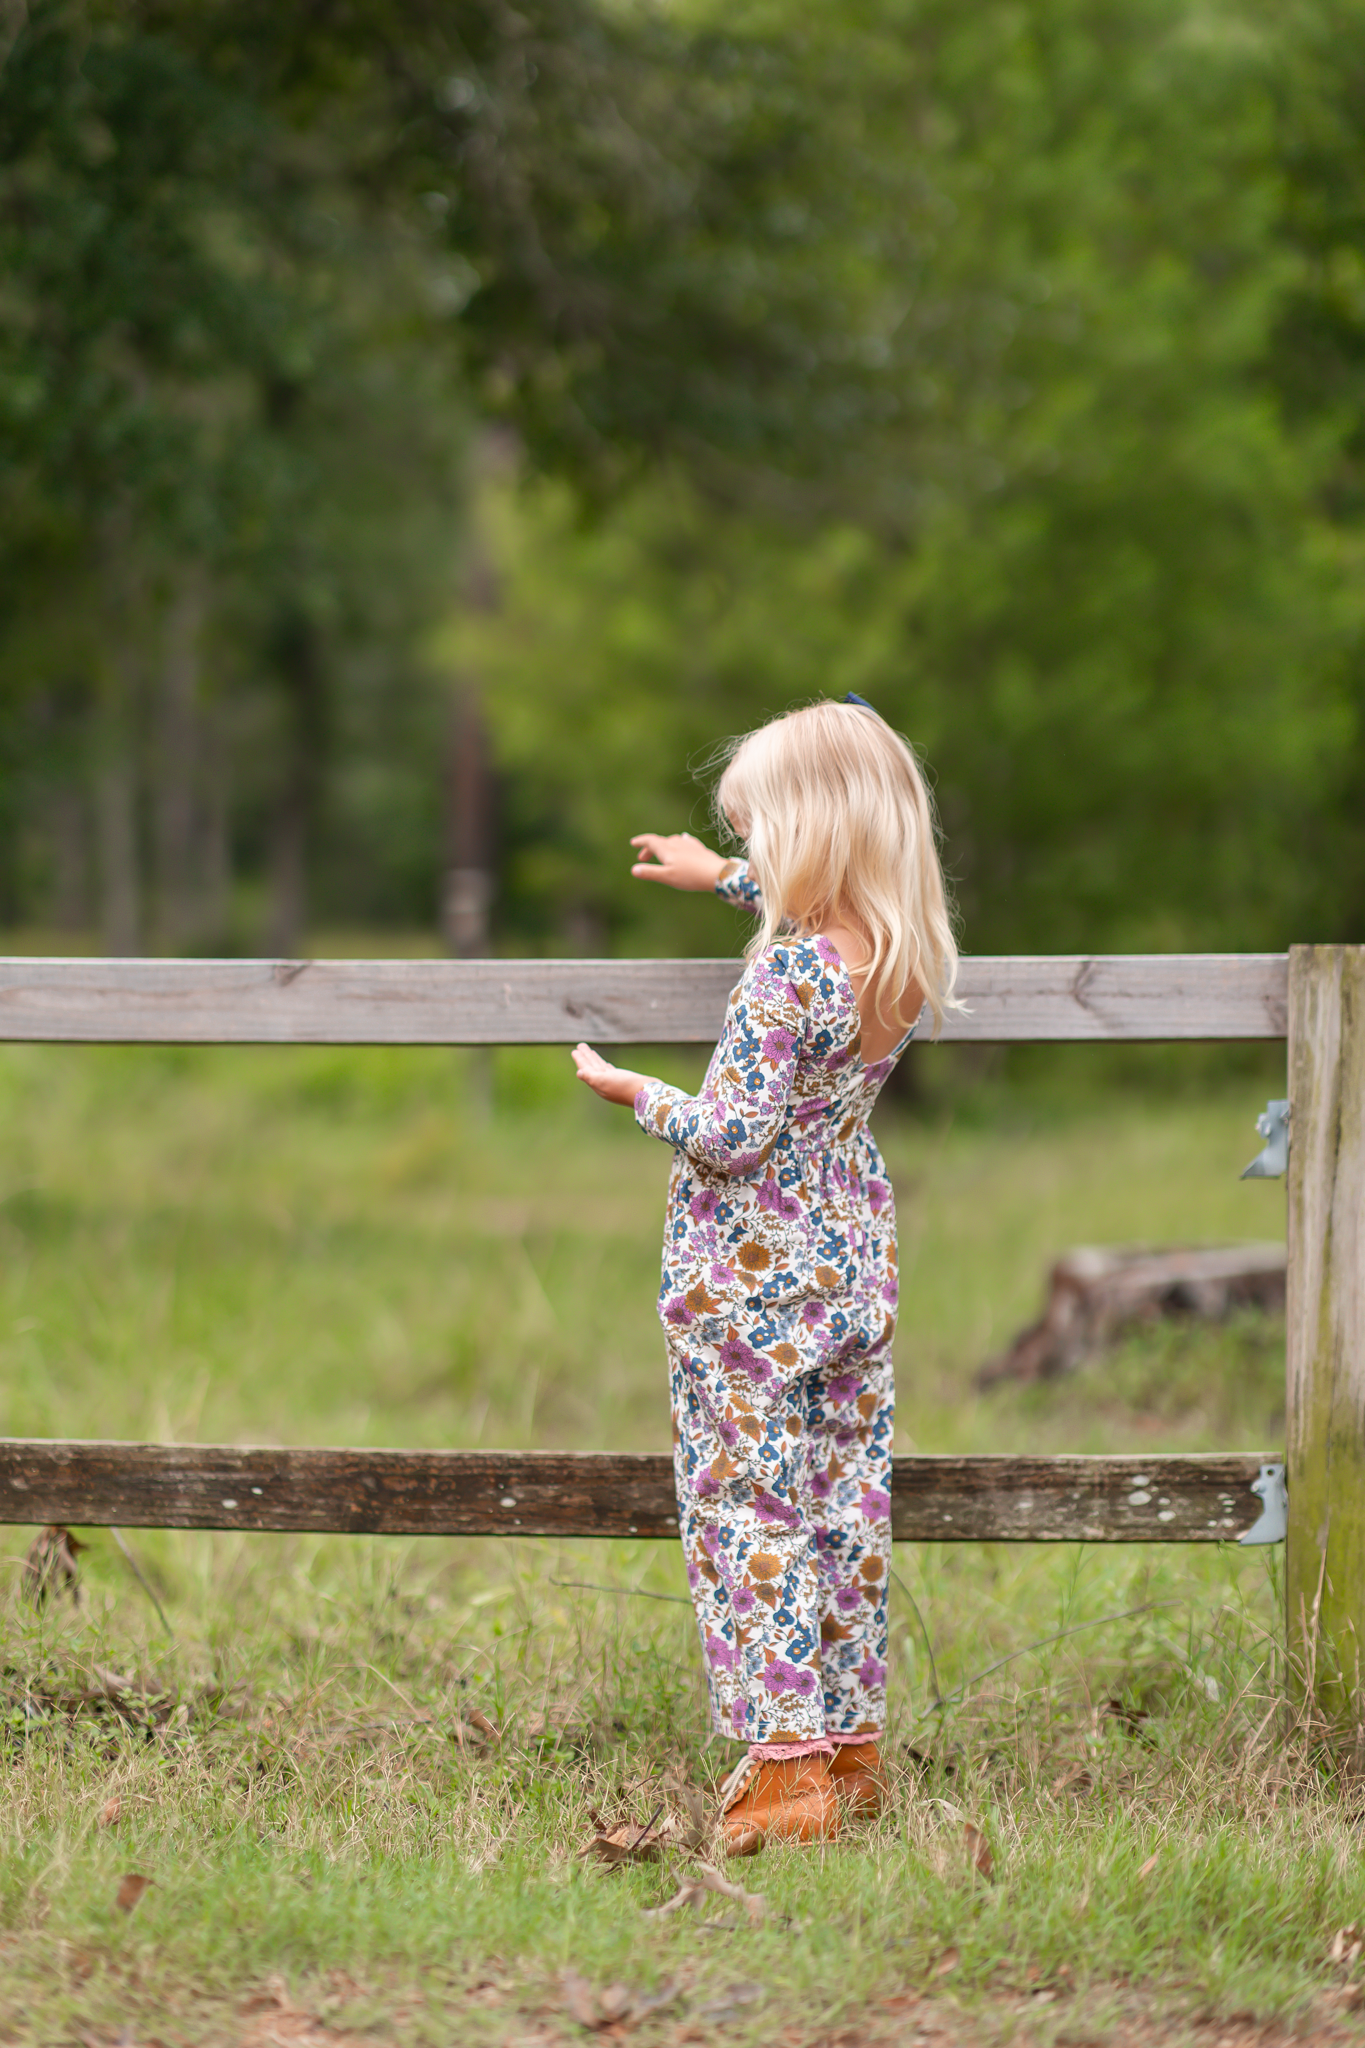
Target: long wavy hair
839 828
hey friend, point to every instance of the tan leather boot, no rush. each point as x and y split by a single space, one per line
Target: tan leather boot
856 1773
788 1801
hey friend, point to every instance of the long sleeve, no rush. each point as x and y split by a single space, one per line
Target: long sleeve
737 885
736 1120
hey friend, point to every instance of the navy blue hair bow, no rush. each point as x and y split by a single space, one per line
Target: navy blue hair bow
862 703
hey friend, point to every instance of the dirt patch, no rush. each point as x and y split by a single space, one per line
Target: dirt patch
1114 2017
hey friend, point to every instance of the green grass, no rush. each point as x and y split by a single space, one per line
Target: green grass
429 1248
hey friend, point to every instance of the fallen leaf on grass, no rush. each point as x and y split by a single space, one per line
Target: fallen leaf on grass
51 1564
1075 1778
130 1890
694 1888
726 2007
580 2000
477 1732
949 1960
979 1849
1347 1996
1347 1946
552 1730
1149 1866
616 2007
696 1832
1130 1718
110 1811
924 1764
1046 1984
276 2022
631 1843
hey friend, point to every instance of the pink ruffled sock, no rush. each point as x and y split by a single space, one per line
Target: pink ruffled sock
779 1752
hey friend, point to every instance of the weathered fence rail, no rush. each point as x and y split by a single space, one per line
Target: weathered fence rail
1314 997
554 1002
598 1493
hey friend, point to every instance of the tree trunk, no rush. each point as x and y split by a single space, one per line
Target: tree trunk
469 879
70 858
177 756
298 660
116 815
216 846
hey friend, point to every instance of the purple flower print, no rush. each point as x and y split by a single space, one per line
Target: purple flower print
704 1205
744 1601
878 1195
779 1676
708 1486
769 1508
678 1313
848 1598
875 1504
722 1275
739 1714
772 1507
771 1197
891 1294
813 1312
727 1431
724 1656
821 1485
737 1356
871 1672
778 1045
808 1112
843 1388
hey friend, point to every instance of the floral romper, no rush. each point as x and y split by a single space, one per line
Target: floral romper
779 1306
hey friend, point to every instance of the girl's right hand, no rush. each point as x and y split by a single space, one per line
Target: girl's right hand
677 859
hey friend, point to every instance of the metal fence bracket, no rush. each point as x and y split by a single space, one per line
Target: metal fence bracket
1273 1162
1273 1521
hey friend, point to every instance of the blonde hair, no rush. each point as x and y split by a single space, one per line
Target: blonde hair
839 825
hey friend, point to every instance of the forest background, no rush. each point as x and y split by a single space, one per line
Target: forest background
425 431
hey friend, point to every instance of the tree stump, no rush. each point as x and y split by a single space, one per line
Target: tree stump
1096 1292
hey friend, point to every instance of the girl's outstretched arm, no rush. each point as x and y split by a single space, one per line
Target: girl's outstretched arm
676 858
685 863
734 1125
613 1084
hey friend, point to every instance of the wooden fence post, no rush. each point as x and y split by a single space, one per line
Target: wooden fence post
1325 1419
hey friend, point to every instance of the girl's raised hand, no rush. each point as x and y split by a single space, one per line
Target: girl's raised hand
678 859
613 1084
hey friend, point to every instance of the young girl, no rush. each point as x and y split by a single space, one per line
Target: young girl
779 1274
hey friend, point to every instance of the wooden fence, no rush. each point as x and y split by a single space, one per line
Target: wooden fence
1314 997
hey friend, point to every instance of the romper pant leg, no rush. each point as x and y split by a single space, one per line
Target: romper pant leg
851 1414
750 1547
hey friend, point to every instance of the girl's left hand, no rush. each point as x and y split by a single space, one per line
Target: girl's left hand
613 1084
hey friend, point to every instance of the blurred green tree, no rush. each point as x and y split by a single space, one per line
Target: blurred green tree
1095 578
1000 364
228 460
